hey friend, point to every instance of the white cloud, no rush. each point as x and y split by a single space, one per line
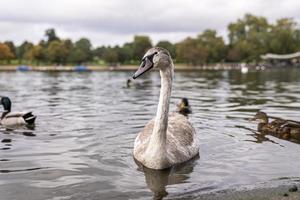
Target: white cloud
116 21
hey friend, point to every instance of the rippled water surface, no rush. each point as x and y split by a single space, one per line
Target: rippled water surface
82 145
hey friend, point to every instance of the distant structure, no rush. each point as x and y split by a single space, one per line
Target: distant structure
282 60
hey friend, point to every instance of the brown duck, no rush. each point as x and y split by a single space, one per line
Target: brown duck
281 128
184 107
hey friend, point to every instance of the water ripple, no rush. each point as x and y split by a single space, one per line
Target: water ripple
87 122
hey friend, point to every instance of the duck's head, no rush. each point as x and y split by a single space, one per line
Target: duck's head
184 103
184 107
155 57
261 117
5 101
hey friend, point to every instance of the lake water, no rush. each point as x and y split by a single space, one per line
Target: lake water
82 145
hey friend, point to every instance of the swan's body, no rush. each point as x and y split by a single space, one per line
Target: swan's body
11 119
168 139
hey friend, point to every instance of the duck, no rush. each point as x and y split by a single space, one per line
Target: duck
184 107
169 138
128 82
281 128
11 119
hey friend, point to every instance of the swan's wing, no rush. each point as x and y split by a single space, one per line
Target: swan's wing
144 135
181 130
182 140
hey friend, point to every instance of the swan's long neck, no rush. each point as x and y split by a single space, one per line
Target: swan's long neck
161 119
156 151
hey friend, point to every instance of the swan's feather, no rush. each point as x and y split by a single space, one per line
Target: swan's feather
182 143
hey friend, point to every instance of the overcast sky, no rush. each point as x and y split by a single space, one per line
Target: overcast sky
116 21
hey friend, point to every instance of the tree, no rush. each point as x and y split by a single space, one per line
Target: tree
81 52
98 52
284 37
51 35
110 56
5 52
140 45
251 33
57 52
22 50
169 46
125 53
213 44
190 52
36 53
11 46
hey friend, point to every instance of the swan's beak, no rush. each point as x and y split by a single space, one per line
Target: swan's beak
145 66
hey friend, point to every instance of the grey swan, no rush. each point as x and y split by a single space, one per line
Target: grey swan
169 138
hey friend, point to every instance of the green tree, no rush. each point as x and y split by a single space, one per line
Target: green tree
191 52
140 45
125 53
81 52
249 36
22 50
98 52
110 56
169 46
213 44
284 37
36 53
57 52
51 35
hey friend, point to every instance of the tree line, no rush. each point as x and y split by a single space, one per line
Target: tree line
248 38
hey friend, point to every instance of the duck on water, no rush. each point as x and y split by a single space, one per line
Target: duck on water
280 128
169 138
12 119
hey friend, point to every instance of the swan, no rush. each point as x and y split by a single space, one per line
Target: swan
168 139
10 119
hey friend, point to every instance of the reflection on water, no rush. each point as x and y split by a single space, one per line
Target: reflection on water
158 180
87 122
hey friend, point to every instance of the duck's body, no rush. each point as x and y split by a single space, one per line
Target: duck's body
11 119
168 139
281 128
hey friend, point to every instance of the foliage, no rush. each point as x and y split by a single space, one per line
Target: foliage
168 45
5 52
35 53
57 52
110 56
51 35
248 38
140 45
213 45
191 52
80 52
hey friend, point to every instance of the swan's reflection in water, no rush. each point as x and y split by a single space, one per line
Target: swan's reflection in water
158 180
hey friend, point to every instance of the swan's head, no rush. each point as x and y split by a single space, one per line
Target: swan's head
5 101
155 57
